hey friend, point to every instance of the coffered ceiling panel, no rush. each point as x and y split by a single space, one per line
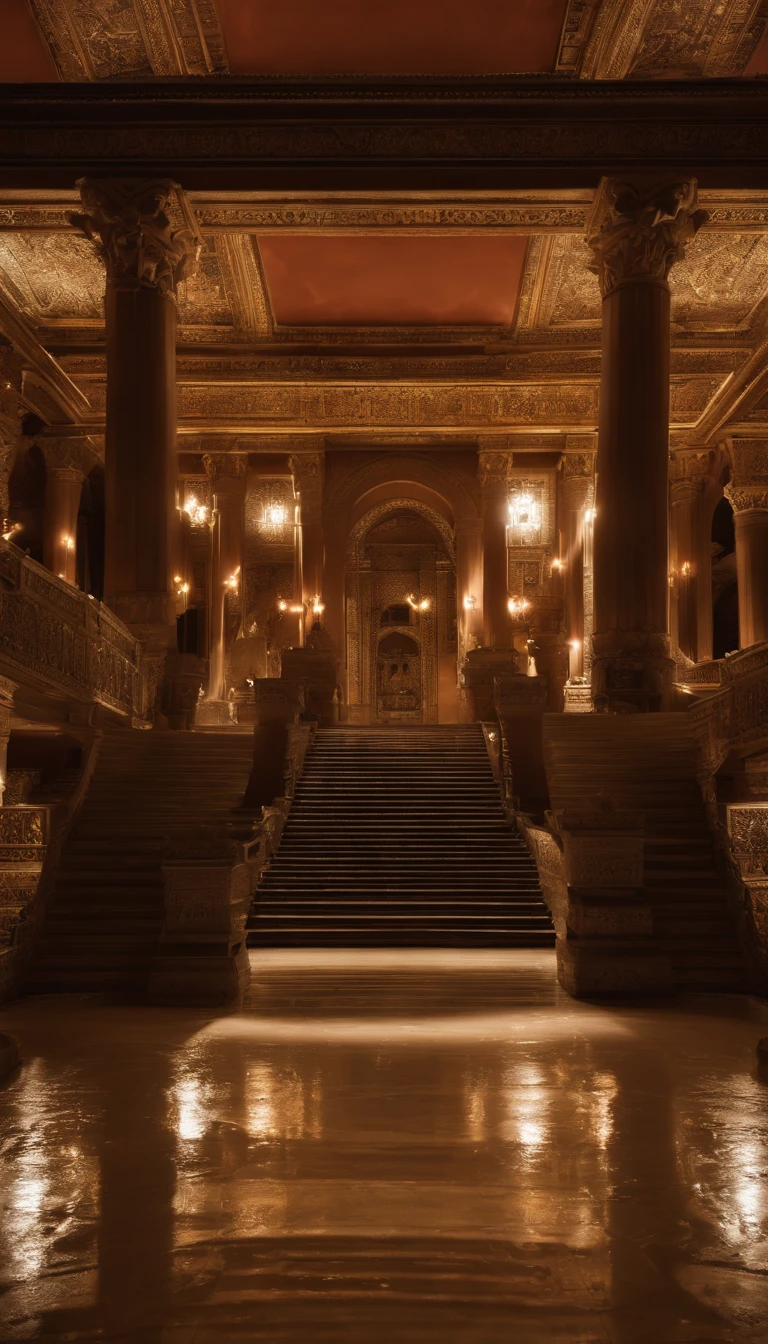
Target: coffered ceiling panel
203 298
391 36
375 281
721 280
52 276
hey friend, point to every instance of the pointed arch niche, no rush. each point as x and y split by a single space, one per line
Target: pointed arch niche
401 656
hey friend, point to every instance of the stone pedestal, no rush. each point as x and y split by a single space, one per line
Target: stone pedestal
635 237
477 677
202 957
748 494
608 945
315 667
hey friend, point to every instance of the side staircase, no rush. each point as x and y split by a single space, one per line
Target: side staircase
648 762
105 913
397 838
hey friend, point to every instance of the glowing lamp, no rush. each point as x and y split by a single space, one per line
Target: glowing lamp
686 569
470 602
276 515
196 512
517 606
318 606
282 605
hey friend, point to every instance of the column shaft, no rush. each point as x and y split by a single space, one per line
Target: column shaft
495 461
63 489
752 574
227 473
635 238
469 584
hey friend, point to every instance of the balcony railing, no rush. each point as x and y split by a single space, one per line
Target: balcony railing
55 639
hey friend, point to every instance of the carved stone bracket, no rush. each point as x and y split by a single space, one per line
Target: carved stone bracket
635 235
138 243
75 454
688 472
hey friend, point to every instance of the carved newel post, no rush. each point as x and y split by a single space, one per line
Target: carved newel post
690 558
748 495
145 258
635 237
67 462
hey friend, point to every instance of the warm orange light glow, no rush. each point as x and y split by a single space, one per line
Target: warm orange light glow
318 606
282 605
590 515
517 606
470 602
686 569
417 604
558 564
196 512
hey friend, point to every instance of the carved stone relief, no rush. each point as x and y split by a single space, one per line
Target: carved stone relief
52 276
637 235
720 280
107 39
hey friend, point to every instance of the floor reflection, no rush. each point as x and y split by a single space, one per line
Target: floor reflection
415 1146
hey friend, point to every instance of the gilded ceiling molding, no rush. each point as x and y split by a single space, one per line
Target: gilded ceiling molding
535 272
577 27
245 285
639 235
738 395
109 39
561 212
689 38
616 33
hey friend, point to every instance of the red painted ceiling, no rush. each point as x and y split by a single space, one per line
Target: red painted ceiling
377 281
758 64
391 37
24 54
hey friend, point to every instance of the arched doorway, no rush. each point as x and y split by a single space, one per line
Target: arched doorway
398 679
401 616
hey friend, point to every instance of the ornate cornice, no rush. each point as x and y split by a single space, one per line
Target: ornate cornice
232 465
138 243
227 131
69 453
748 488
742 498
639 235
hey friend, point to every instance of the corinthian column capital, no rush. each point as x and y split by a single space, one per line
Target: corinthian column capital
73 454
639 235
688 472
136 238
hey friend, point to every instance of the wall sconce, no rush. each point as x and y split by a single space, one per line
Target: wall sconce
68 542
282 605
685 569
196 512
590 515
524 511
470 602
10 529
234 580
318 606
558 565
417 604
517 606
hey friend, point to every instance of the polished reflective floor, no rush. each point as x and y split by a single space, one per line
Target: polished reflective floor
382 1147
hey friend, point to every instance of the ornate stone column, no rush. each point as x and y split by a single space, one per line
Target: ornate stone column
469 584
308 469
635 237
495 462
10 425
145 258
690 561
67 462
748 495
227 474
578 482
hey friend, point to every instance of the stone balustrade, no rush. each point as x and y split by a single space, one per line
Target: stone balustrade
735 717
57 640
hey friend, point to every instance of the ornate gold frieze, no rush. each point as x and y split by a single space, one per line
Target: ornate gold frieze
688 38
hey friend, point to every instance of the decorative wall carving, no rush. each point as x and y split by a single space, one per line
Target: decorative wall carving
52 276
714 37
639 235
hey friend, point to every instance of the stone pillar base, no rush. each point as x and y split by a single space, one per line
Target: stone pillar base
632 672
577 697
202 956
216 714
482 667
614 967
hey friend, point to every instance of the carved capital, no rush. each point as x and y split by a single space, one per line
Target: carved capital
74 455
136 239
635 235
231 465
494 468
744 497
749 461
688 472
578 465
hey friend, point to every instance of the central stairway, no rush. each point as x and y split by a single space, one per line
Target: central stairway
397 838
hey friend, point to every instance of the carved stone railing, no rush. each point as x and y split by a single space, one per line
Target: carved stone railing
735 717
56 639
24 836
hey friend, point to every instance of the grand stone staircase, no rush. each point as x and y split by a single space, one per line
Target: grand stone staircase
106 909
397 838
648 762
